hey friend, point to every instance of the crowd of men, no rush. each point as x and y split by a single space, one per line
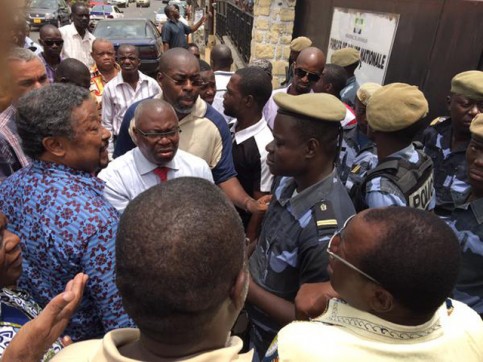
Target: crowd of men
159 213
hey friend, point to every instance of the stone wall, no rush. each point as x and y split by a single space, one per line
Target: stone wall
272 34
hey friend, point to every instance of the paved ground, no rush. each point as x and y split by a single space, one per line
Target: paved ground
131 12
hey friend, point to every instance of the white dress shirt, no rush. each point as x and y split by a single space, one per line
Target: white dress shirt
119 95
132 173
75 46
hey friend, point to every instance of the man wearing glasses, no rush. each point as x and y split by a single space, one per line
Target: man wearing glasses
447 140
155 160
307 71
204 130
393 269
51 40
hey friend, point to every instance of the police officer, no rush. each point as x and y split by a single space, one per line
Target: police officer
349 58
467 222
309 203
447 140
404 174
361 154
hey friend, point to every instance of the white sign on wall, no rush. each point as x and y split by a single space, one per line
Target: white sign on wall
369 32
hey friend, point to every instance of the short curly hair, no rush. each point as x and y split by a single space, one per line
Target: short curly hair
417 259
179 249
47 112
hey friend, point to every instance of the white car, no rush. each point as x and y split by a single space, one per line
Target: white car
121 3
143 3
160 17
100 12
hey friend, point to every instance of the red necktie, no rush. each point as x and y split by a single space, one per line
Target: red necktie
162 173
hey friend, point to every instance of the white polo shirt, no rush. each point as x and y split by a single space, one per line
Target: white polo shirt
75 46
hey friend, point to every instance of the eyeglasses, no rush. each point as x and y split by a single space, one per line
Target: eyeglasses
195 81
312 77
205 85
159 135
342 260
49 43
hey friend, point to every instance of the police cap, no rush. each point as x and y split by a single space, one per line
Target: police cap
476 126
345 56
395 107
316 106
300 43
366 91
468 84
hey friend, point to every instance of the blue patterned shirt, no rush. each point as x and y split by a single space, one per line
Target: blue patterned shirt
66 227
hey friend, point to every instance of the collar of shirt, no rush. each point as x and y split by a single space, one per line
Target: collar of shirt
445 136
409 153
198 111
308 197
144 166
244 134
95 72
341 314
475 205
120 80
108 349
73 31
7 116
58 171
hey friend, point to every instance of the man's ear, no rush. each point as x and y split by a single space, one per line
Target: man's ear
448 101
55 146
160 77
381 300
312 146
239 290
249 101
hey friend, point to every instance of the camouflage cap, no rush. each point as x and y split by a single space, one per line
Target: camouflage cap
468 84
366 90
395 107
318 106
345 56
300 43
476 126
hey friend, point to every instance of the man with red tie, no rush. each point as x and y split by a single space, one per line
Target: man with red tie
155 159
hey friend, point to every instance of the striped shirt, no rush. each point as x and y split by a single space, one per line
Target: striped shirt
12 157
119 95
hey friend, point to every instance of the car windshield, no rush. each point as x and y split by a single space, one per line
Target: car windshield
123 30
102 8
44 4
161 10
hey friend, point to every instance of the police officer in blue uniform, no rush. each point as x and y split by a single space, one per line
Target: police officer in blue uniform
467 222
404 174
309 203
361 151
447 140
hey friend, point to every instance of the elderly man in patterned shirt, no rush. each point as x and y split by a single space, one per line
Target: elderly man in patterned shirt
56 206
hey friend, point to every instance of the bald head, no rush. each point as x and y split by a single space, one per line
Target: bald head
128 48
73 71
307 70
172 59
157 107
221 58
49 30
313 57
